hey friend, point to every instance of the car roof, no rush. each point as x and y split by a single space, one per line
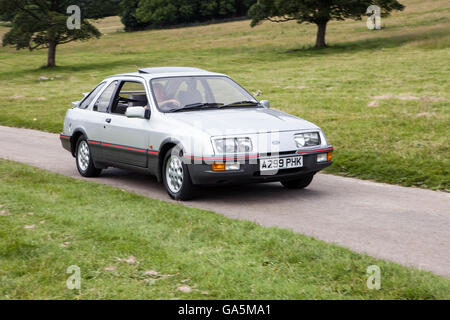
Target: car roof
158 72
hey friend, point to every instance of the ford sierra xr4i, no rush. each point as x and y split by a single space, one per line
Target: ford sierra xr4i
191 127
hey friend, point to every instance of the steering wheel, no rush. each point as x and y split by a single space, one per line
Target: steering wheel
122 99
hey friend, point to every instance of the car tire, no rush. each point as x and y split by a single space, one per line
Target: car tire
83 158
301 183
176 178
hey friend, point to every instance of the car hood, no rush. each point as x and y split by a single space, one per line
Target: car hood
236 121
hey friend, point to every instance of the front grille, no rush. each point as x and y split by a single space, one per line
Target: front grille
275 154
280 172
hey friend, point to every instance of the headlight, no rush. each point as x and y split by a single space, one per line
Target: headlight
244 145
233 145
307 139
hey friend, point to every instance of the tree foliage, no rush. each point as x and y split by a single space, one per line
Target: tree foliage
318 12
42 24
95 9
139 14
128 15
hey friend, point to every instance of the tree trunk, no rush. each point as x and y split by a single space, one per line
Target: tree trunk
51 54
321 29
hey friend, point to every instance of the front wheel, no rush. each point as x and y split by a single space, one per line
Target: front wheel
176 176
301 183
85 164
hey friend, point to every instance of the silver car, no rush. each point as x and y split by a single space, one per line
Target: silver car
191 127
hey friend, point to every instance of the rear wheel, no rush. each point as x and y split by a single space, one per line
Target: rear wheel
85 164
176 176
301 183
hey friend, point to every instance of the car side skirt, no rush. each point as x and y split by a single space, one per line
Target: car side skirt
143 160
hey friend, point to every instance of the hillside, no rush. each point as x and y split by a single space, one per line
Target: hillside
382 97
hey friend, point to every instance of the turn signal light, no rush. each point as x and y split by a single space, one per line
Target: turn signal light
329 156
218 166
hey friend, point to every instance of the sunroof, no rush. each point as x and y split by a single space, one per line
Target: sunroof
169 70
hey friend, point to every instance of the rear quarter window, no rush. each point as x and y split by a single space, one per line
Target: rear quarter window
88 99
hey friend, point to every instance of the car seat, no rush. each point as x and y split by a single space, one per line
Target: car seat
141 100
191 95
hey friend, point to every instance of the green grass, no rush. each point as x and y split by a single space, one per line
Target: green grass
403 140
90 225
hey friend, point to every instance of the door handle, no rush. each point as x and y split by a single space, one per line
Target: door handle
108 120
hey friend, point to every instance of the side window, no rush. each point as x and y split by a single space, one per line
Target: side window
88 99
104 100
131 94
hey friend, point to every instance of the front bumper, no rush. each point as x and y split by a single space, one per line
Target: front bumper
202 174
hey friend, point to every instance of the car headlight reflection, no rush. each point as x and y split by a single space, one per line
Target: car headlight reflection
233 145
307 139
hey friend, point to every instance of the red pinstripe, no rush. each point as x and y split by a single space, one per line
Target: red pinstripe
314 151
122 147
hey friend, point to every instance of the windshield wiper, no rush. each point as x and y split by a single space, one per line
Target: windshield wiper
240 103
198 105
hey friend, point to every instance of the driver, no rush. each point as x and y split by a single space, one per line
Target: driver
161 97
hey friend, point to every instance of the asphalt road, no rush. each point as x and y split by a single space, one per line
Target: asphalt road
407 225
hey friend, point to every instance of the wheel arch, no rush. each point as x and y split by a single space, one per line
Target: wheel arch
74 138
166 145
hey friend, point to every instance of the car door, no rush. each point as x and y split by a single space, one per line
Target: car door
126 140
92 122
95 119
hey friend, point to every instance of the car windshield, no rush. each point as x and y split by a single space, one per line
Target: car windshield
174 94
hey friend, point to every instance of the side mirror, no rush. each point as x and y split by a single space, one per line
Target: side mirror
136 112
147 113
75 104
265 103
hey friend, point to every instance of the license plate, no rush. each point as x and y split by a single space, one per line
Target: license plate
280 163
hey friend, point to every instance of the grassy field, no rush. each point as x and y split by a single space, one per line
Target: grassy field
382 97
133 247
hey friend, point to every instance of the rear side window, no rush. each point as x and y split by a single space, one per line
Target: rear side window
103 102
88 99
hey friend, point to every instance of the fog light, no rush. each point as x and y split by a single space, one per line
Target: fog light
330 156
322 157
218 166
232 166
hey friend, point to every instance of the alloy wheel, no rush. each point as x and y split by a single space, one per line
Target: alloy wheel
174 174
83 155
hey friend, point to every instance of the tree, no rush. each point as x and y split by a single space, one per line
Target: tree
318 12
42 24
95 9
128 15
141 14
